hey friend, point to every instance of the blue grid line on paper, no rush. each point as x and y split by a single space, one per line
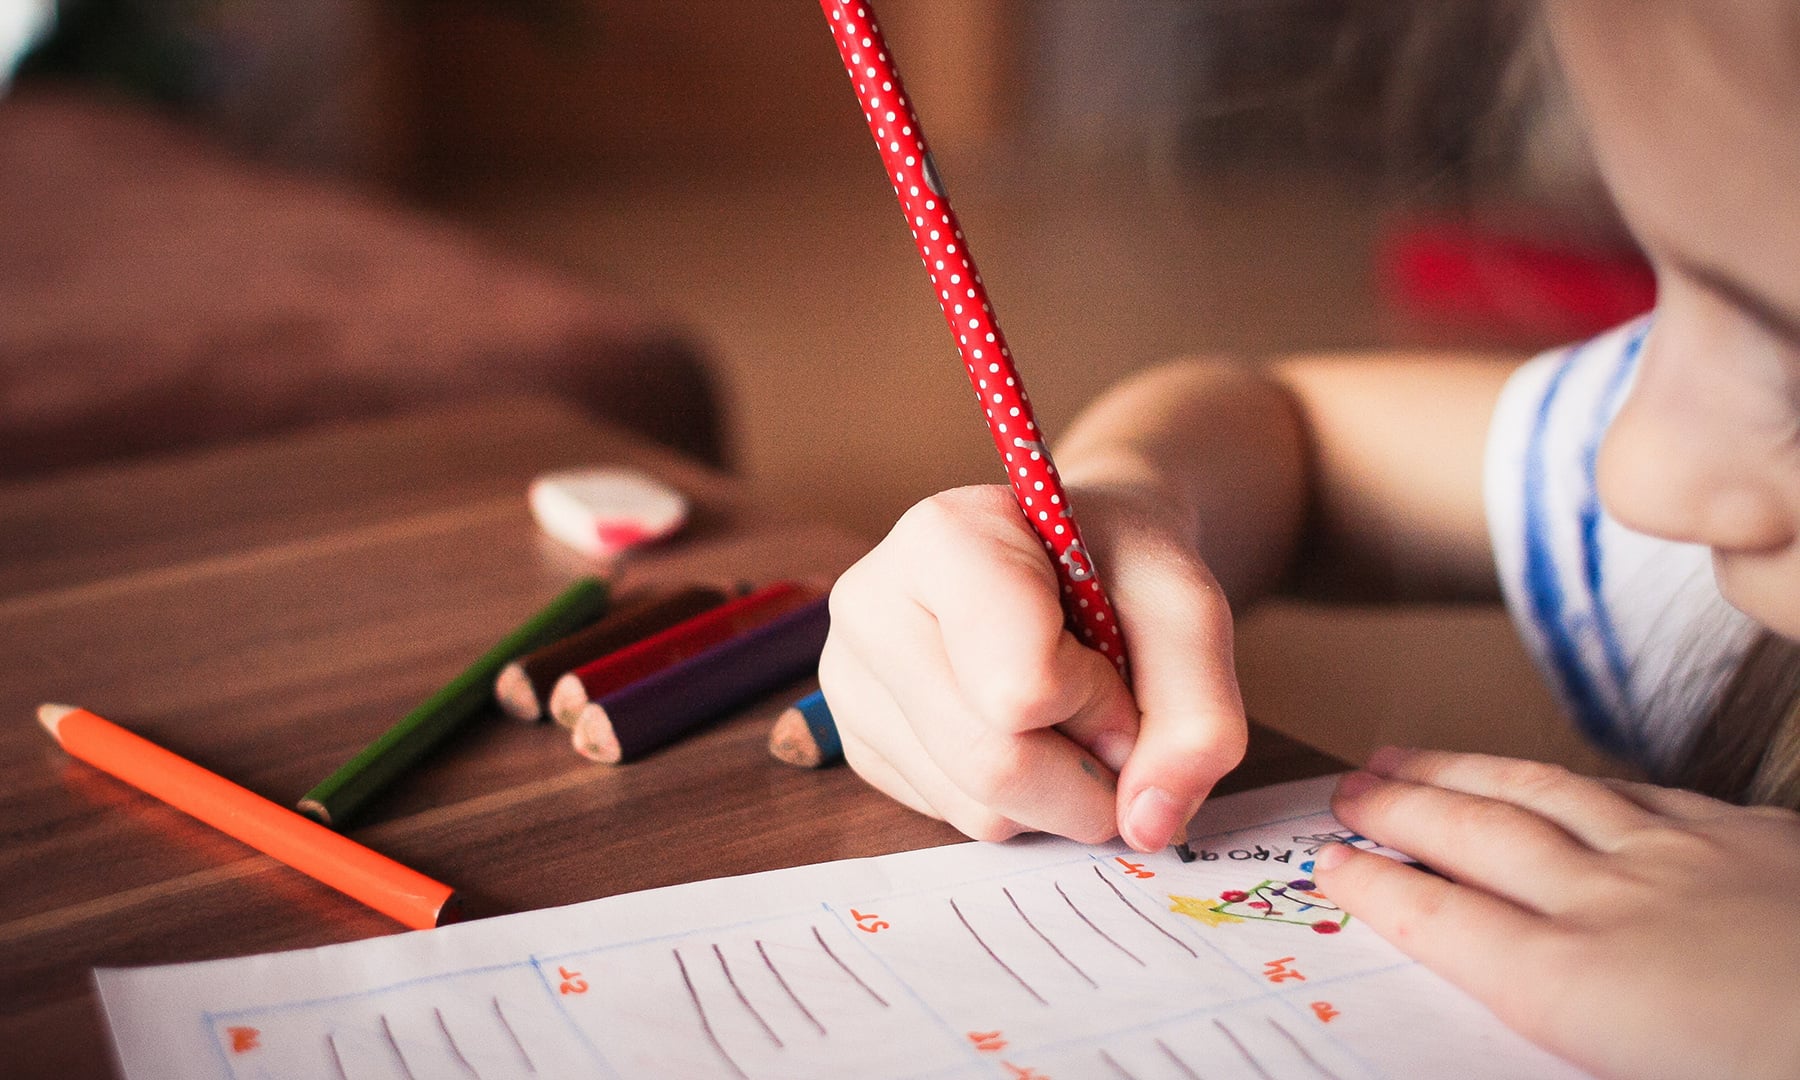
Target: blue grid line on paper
208 1020
352 995
562 1011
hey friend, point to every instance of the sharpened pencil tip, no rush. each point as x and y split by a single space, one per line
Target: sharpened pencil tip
791 741
316 810
50 715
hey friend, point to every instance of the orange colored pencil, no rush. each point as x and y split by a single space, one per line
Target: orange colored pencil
276 831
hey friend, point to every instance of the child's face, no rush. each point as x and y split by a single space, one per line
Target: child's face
1695 111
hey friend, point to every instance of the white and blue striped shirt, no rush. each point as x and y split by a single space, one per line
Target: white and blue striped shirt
1629 630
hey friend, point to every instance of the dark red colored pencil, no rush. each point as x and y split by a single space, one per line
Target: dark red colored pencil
524 685
615 671
655 711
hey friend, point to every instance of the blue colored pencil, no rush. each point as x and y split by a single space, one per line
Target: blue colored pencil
658 709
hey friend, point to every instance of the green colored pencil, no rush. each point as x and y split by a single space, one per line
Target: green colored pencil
339 796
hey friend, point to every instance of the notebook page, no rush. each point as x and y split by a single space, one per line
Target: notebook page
1037 959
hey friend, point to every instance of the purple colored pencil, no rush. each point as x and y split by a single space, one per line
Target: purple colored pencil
660 708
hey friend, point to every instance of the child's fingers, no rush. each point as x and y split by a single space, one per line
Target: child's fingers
1591 812
974 564
1040 779
1191 728
1486 843
946 802
883 777
1037 778
884 751
1479 942
1688 806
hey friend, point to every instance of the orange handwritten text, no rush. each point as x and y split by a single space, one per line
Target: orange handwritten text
1135 869
987 1041
1324 1011
572 982
1278 971
868 923
243 1039
1020 1072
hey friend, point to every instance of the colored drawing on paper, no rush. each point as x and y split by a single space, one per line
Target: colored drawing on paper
1296 903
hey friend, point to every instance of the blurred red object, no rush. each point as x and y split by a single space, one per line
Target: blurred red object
1524 287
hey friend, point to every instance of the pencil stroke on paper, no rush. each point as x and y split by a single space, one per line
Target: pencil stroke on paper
513 1036
1187 1071
779 978
1301 1049
820 938
387 1033
1243 1051
455 1050
705 1023
992 955
1118 1070
743 1000
1158 927
1104 936
1060 955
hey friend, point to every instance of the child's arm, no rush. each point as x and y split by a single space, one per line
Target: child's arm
1349 472
957 689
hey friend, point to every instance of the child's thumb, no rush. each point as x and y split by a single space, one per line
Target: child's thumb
1178 633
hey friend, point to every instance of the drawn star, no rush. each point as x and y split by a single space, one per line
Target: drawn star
1204 912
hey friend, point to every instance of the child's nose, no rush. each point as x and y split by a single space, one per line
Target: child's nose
1680 464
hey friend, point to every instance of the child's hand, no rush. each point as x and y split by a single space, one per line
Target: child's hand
1638 931
958 691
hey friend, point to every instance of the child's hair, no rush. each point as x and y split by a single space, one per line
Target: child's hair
1748 750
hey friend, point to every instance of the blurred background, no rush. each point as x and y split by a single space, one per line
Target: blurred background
221 218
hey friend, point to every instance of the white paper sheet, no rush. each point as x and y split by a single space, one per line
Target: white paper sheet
1037 959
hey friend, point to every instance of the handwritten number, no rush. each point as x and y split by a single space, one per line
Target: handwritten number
1278 971
572 983
868 923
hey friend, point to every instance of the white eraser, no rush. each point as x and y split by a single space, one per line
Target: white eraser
605 511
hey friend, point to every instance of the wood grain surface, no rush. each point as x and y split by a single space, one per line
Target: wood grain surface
268 609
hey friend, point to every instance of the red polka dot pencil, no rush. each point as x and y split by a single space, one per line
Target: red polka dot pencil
970 315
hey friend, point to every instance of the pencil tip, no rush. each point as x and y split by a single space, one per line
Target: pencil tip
791 741
50 715
517 697
594 737
1184 852
316 810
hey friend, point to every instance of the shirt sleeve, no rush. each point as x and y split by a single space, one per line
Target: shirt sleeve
1629 630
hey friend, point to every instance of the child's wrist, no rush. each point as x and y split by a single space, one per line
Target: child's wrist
1120 489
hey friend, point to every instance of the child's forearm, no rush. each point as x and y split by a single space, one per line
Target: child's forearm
1360 474
1211 451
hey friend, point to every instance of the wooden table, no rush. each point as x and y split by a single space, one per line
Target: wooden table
267 609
